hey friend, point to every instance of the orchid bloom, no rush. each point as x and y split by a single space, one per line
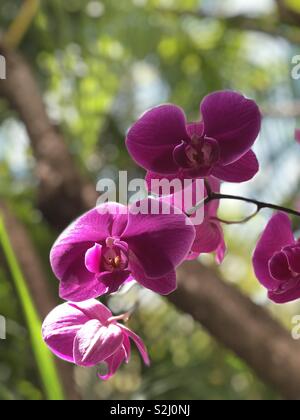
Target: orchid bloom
109 246
276 260
162 141
87 334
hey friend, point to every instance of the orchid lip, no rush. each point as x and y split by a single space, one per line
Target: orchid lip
288 285
200 153
110 257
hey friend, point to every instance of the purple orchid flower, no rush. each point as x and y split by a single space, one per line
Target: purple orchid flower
276 260
162 141
87 334
110 245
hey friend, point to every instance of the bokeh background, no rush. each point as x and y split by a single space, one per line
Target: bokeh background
99 65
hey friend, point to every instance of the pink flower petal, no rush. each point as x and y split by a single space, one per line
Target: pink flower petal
241 170
93 258
113 363
293 255
208 237
195 129
112 281
221 250
151 140
94 343
60 328
90 228
138 342
80 284
233 121
276 236
93 309
127 348
279 267
285 297
159 241
163 285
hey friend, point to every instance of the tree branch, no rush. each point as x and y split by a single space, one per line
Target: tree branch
62 193
228 315
287 15
242 326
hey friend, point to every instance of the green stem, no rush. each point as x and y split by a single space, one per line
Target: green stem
44 359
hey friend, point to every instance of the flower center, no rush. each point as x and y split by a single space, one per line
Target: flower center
114 255
114 258
201 153
109 257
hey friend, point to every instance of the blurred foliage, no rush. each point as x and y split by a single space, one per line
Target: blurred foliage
99 65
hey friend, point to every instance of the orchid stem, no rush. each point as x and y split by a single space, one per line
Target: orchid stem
237 222
260 204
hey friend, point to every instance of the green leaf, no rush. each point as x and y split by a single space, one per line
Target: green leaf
44 359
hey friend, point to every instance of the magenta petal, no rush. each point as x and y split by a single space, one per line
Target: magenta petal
159 241
81 235
113 363
155 183
208 237
94 343
138 342
151 140
297 135
93 258
279 267
78 283
221 251
241 170
180 157
195 129
127 348
75 292
233 121
112 281
96 225
60 328
276 236
163 285
93 309
293 255
285 297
